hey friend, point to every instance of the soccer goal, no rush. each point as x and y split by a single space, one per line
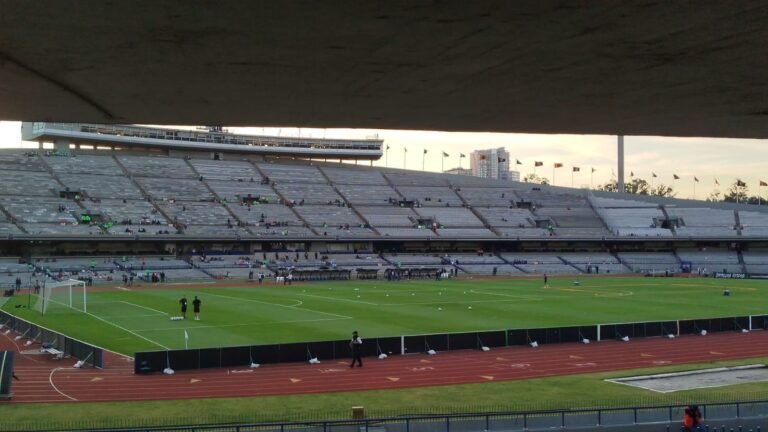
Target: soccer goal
70 293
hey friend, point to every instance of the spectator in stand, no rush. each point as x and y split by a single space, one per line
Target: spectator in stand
692 419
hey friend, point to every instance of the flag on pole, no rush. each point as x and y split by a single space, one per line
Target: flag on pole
462 155
425 151
387 147
593 170
631 173
740 183
445 154
502 160
696 179
482 157
517 162
675 176
538 163
717 182
405 149
576 169
653 174
558 165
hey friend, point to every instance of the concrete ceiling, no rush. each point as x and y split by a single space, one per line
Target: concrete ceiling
639 68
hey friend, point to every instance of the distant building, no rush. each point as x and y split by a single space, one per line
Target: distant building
459 171
514 175
491 163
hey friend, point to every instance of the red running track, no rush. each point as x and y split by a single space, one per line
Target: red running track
46 380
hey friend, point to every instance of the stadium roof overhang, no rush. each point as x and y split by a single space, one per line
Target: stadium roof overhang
635 68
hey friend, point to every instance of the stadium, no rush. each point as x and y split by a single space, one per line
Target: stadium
191 279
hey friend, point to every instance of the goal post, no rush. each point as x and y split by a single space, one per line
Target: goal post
70 293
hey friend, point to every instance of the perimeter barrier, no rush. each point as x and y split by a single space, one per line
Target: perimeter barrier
53 341
243 356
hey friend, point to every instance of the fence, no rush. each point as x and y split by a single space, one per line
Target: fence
80 350
155 361
718 415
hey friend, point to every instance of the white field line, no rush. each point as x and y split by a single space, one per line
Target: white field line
144 307
268 323
50 381
279 305
339 299
116 325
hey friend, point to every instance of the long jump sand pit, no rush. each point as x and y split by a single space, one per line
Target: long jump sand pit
703 378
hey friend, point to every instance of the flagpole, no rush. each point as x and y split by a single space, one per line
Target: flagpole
442 163
591 176
694 188
386 157
405 155
572 171
423 157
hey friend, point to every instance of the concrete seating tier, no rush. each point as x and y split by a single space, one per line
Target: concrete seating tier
226 170
149 166
330 216
281 231
523 232
197 213
549 269
416 178
239 273
487 269
352 231
174 188
532 258
29 183
225 261
236 191
47 228
473 258
589 258
619 203
118 211
572 217
13 266
353 176
174 275
548 199
506 217
758 269
686 231
753 224
16 160
488 197
280 174
702 222
755 257
431 196
406 232
266 214
451 216
708 257
650 261
215 231
466 233
352 260
634 222
76 264
101 186
36 209
368 195
591 233
8 229
317 193
151 263
381 217
84 164
414 259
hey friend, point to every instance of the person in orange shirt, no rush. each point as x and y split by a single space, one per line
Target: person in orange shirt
692 418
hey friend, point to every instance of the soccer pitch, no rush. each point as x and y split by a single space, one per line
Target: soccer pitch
133 320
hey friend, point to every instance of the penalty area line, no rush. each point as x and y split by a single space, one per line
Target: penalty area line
143 307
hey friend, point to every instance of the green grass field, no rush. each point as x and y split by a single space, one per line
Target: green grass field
139 320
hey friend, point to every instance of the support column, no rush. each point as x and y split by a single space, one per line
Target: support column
620 161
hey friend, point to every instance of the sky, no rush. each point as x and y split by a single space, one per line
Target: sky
705 158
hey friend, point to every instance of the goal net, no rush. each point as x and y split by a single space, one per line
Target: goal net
68 294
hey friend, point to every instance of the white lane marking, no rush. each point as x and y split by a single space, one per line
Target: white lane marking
50 381
339 299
